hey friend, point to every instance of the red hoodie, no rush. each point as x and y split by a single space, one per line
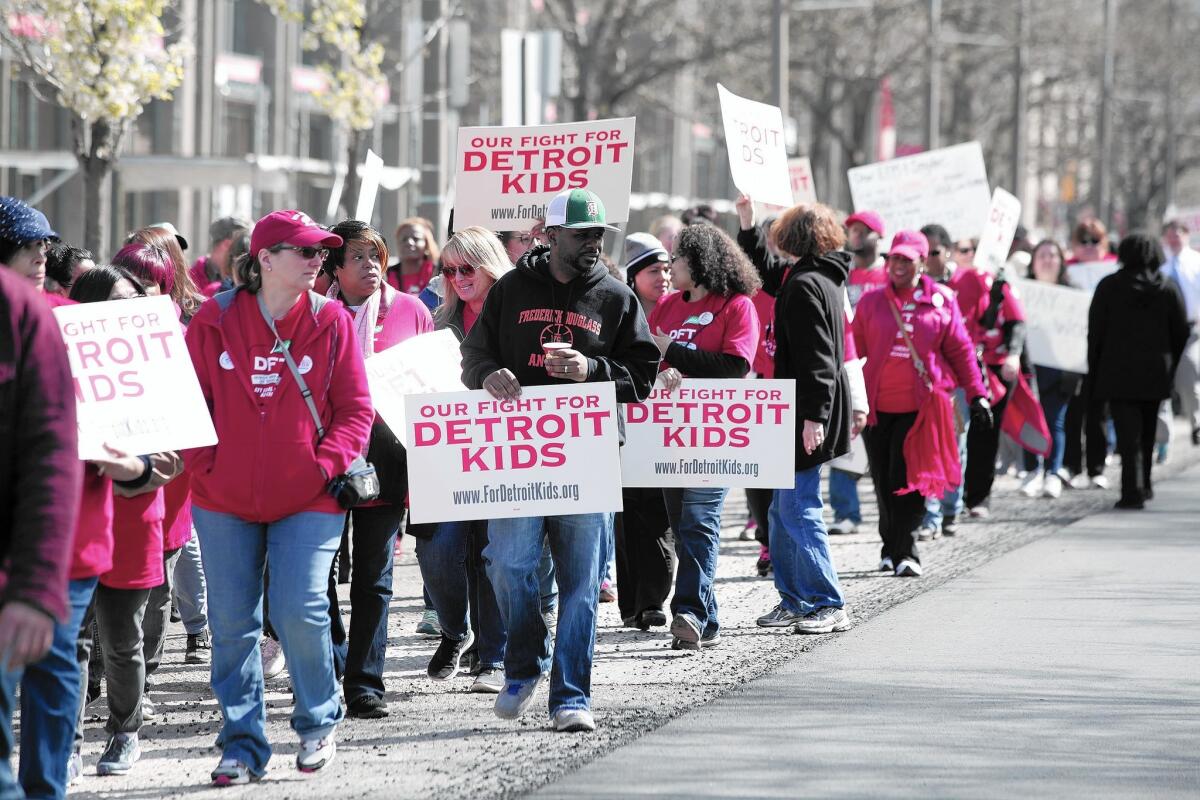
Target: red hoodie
93 553
267 464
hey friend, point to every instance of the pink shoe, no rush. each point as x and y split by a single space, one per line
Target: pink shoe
607 593
764 562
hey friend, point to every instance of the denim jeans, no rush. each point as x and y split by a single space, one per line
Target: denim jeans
298 550
547 585
191 591
362 652
951 503
9 788
695 516
843 496
50 690
453 571
512 554
804 573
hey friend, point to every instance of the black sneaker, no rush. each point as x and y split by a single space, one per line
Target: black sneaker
367 706
445 662
198 647
949 525
652 618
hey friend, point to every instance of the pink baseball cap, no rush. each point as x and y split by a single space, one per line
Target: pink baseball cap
869 218
293 227
911 244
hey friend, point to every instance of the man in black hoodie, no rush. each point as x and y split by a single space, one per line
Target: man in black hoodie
558 293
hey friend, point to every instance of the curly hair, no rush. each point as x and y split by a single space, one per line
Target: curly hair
805 232
715 261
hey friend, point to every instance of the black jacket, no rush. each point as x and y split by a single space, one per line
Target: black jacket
810 341
1137 330
771 270
595 313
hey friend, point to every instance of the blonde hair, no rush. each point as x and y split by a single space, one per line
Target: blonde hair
476 247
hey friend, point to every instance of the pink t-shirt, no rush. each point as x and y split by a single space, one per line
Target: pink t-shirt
715 324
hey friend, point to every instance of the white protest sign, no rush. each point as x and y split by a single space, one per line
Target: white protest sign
135 387
732 433
1056 324
368 189
804 188
552 451
998 232
423 364
757 153
505 177
947 186
1085 276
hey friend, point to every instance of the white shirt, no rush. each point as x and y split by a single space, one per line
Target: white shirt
1184 269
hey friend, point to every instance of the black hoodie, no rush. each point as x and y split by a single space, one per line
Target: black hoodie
1137 331
810 340
595 313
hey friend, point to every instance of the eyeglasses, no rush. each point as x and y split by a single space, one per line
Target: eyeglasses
307 253
466 270
1089 242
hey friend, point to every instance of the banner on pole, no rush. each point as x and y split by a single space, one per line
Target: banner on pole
506 176
733 433
423 364
757 152
135 387
552 451
998 232
1056 324
947 186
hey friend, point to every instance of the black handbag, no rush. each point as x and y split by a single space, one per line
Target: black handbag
390 458
359 483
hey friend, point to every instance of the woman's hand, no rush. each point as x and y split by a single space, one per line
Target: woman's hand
745 211
670 378
663 340
119 466
1010 368
814 436
859 421
502 385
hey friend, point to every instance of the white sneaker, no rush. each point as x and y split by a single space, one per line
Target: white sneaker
927 533
907 568
574 720
1052 487
886 565
843 527
273 661
315 753
1099 482
1032 485
1081 481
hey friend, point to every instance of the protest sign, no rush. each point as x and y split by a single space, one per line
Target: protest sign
998 231
1056 324
135 387
505 177
1085 276
804 188
733 433
423 364
551 451
368 189
757 154
948 186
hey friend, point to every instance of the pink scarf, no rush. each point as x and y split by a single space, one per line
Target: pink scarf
368 314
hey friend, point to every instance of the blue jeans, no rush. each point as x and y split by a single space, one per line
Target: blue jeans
50 692
695 516
843 496
299 552
804 573
1054 399
455 577
951 503
9 788
547 585
512 554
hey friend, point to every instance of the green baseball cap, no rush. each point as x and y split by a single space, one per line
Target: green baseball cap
577 208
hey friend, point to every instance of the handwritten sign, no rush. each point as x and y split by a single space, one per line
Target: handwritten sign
1086 275
733 433
947 186
423 364
506 176
998 232
1056 324
135 387
757 152
552 451
804 188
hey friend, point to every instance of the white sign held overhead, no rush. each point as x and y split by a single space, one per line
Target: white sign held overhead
423 364
368 187
506 176
135 387
947 186
758 159
998 232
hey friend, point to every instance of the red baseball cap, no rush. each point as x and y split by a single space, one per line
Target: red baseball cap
911 244
869 218
293 227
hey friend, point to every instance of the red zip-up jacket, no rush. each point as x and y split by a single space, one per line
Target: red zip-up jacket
267 463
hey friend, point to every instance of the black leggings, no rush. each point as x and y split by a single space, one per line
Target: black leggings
759 502
1136 422
645 553
899 515
982 444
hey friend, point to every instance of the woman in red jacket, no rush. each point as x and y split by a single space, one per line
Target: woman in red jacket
898 386
383 317
259 495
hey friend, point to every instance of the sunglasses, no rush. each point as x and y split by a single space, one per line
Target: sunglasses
1089 242
465 270
306 253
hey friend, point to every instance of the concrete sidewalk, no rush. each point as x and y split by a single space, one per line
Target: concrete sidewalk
1067 668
